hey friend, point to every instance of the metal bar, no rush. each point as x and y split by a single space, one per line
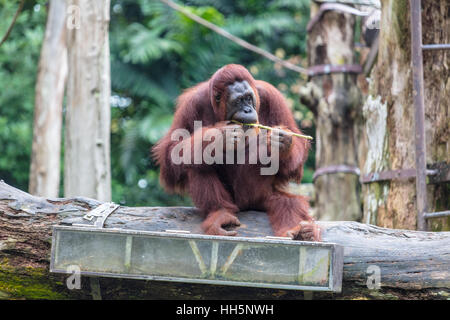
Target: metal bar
341 168
250 241
128 247
198 256
301 264
95 288
419 112
439 214
308 295
214 257
236 251
202 281
436 47
387 175
401 174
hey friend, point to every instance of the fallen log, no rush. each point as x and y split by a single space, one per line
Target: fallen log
412 264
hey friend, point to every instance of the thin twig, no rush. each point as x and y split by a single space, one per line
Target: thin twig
19 10
235 39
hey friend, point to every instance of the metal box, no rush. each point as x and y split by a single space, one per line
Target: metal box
253 262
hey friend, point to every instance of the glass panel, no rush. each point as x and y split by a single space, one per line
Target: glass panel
259 263
95 252
169 257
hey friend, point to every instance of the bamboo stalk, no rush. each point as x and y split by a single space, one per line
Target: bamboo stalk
257 125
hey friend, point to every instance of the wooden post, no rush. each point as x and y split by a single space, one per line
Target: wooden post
336 101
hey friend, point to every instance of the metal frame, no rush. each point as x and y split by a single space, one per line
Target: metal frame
417 48
438 172
340 168
334 271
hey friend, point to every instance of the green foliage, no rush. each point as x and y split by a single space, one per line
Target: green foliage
19 57
156 53
143 44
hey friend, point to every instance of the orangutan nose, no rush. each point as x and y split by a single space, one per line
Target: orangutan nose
248 110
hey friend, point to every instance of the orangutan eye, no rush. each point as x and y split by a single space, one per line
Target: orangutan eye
218 97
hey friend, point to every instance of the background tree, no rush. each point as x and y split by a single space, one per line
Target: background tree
87 141
336 101
389 115
19 56
49 94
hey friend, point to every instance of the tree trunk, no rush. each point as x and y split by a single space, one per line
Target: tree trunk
87 141
389 115
46 150
412 264
335 99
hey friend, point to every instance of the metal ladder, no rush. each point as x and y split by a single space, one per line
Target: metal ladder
417 48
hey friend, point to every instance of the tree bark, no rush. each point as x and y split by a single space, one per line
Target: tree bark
87 141
46 149
413 265
335 100
389 115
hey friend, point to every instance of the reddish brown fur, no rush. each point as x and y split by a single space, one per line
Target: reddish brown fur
220 191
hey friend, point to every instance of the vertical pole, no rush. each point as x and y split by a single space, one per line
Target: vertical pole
95 288
419 113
